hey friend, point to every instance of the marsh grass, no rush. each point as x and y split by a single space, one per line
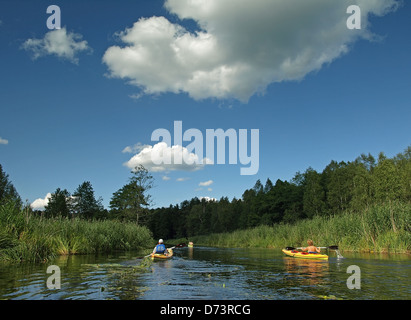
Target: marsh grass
380 228
31 238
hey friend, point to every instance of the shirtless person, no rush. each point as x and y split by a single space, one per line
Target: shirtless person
311 248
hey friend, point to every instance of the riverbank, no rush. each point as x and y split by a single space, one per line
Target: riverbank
32 238
380 228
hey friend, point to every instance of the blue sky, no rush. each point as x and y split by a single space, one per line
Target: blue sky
314 89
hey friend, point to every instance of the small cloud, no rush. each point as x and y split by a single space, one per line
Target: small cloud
59 42
165 178
209 189
3 141
182 179
161 157
136 96
135 149
40 204
206 183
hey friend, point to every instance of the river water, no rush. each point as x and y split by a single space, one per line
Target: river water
205 273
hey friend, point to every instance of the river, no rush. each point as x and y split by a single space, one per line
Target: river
206 273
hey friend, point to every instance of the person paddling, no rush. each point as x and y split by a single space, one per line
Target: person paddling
160 247
311 248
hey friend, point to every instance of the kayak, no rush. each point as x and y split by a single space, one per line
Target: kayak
162 256
305 255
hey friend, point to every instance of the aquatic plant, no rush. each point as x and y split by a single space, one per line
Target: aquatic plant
379 228
33 238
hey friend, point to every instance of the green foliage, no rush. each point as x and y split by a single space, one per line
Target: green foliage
314 194
59 205
7 190
131 201
81 204
341 187
84 202
35 238
380 228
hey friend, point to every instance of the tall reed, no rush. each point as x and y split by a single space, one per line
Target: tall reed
380 228
31 238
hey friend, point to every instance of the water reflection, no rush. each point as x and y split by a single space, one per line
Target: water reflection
306 271
190 252
210 273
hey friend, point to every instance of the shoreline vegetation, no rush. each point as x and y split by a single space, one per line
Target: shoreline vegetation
30 238
379 229
363 205
74 223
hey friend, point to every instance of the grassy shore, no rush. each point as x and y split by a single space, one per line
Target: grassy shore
380 228
30 238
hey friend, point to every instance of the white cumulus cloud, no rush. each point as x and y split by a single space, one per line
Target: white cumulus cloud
241 46
59 42
40 204
4 141
161 157
206 183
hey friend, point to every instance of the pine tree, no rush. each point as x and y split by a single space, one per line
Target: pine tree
7 190
85 204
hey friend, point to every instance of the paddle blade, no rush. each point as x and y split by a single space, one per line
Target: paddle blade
333 247
289 248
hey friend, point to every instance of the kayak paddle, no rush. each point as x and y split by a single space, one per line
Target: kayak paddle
330 247
339 256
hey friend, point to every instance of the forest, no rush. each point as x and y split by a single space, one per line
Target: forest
340 187
342 192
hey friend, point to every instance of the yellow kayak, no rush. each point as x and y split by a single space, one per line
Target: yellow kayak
162 256
305 255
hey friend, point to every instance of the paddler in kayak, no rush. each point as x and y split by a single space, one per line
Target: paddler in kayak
160 248
311 248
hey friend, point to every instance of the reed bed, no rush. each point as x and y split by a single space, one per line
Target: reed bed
379 228
31 238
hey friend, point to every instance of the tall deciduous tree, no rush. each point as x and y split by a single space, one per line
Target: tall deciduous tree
314 195
132 200
387 180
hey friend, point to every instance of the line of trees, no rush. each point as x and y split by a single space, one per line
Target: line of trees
82 203
129 203
341 186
